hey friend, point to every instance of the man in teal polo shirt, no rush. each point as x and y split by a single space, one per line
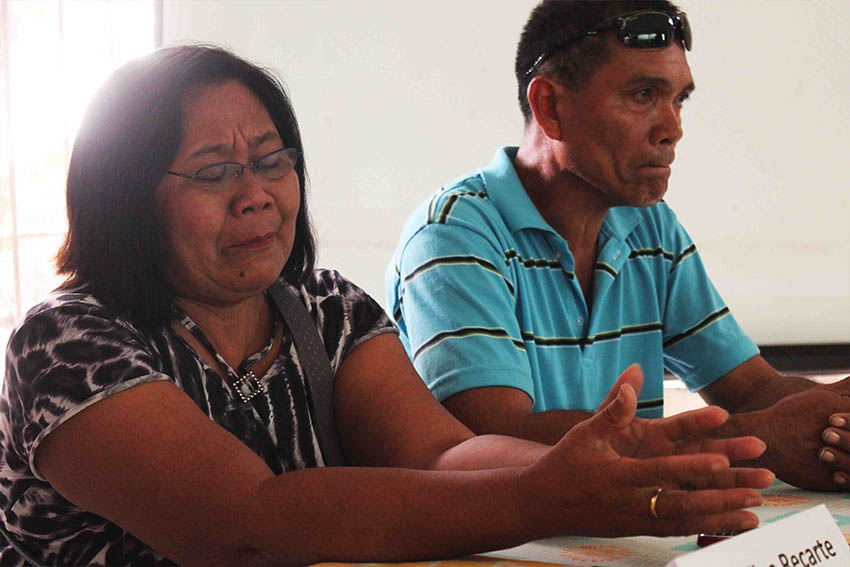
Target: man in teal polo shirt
524 290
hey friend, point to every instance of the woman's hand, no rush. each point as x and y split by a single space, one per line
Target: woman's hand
583 486
683 433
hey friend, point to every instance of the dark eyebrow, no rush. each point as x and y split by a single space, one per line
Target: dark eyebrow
211 149
259 140
222 149
658 82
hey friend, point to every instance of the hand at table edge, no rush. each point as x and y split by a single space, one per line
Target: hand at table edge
692 493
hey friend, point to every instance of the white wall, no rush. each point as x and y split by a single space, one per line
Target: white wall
396 98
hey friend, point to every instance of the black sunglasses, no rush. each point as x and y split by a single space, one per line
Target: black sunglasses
645 29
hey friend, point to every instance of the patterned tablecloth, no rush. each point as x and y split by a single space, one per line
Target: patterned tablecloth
781 501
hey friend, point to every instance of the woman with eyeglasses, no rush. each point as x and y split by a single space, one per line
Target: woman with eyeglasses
181 396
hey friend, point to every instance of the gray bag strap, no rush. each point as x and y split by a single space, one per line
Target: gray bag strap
317 369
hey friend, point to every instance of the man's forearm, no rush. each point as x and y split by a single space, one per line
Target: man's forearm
490 452
507 411
774 390
761 395
549 426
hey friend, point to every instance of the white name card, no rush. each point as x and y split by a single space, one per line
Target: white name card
807 539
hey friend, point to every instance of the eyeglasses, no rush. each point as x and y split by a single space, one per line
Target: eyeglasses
646 29
216 176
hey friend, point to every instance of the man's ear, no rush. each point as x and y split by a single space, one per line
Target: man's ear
543 94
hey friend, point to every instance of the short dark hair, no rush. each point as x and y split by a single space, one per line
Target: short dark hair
553 22
116 241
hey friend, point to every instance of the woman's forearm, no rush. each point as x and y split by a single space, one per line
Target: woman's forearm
360 514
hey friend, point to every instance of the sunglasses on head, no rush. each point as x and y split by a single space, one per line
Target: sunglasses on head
646 29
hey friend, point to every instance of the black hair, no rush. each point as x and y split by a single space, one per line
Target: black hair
117 242
553 23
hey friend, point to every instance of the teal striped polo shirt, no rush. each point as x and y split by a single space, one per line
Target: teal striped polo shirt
484 293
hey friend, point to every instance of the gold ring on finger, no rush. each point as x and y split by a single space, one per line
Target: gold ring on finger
653 502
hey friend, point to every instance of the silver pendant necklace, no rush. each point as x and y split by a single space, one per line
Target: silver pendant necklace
247 386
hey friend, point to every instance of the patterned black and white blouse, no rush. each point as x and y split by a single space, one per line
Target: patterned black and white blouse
70 352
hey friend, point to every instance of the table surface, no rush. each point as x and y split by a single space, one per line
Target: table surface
780 501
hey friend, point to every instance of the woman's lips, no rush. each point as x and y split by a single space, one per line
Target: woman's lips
255 242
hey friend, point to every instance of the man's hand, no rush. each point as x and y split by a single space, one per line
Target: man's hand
604 493
836 453
794 431
792 415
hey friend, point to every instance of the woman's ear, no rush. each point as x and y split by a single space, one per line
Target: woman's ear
543 94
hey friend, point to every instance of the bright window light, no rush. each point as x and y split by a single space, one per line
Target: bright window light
53 55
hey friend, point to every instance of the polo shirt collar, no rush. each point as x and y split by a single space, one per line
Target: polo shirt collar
518 211
620 222
508 195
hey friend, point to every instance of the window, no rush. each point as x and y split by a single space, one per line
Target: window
53 55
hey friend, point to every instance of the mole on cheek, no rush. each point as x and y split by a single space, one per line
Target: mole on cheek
242 274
